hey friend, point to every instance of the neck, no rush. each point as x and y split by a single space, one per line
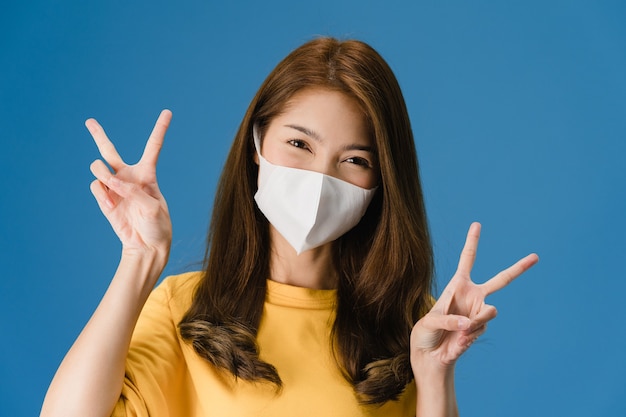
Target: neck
311 269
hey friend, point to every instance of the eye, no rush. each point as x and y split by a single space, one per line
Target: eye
362 162
297 143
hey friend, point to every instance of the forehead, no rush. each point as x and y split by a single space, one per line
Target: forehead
311 95
325 111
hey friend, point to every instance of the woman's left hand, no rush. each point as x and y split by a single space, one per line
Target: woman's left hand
460 314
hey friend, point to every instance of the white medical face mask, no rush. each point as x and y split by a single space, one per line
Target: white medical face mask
308 208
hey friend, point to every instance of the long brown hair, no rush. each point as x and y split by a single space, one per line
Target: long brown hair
385 263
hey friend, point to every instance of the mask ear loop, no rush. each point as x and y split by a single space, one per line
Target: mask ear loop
257 139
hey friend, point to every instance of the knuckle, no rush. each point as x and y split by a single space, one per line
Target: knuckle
469 251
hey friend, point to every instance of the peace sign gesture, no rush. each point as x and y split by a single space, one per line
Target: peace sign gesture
461 314
129 197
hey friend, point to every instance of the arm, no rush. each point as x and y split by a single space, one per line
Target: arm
435 391
89 380
456 320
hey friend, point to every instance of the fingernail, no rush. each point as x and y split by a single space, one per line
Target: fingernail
464 323
109 203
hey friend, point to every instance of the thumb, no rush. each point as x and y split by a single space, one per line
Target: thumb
429 330
449 322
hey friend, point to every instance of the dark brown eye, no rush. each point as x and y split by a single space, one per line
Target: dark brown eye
297 143
359 161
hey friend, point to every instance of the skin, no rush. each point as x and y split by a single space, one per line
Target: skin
89 380
320 130
325 131
457 319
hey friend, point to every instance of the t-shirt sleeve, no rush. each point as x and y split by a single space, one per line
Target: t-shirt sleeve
154 365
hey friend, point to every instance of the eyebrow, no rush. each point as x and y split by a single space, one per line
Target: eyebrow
306 131
313 134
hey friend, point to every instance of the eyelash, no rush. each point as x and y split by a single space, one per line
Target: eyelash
356 160
360 162
297 143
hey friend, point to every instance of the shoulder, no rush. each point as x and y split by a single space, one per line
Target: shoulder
180 285
176 291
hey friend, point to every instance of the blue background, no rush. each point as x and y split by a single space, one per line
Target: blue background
519 113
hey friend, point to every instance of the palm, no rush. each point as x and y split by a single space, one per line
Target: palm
130 197
445 332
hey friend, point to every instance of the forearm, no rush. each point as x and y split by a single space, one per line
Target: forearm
89 380
435 392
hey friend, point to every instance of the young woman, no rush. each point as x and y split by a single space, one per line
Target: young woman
315 295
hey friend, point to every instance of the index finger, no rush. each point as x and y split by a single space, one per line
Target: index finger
505 277
155 141
468 254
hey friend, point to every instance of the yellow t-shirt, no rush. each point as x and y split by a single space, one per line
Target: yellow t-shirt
166 378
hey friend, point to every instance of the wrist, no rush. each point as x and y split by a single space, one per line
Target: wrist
146 265
151 255
428 369
435 389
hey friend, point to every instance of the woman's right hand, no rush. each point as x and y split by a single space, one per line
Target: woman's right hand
129 197
90 378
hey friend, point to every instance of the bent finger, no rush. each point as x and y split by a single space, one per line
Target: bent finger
100 170
122 188
480 330
505 277
155 141
486 313
149 206
105 146
467 339
100 192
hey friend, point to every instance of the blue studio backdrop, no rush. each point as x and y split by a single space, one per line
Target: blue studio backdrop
519 115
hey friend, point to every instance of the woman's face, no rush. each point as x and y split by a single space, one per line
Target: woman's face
323 131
